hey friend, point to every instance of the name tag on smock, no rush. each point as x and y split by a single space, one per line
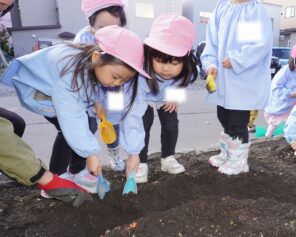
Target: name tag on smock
115 101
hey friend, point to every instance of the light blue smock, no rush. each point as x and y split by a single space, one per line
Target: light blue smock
84 35
246 85
290 126
40 72
282 85
144 98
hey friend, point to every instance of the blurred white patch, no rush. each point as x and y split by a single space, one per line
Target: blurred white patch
249 31
177 95
115 101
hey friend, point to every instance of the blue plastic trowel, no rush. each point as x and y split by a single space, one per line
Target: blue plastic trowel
130 184
103 187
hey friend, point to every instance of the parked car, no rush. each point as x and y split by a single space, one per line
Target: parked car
283 53
275 64
42 43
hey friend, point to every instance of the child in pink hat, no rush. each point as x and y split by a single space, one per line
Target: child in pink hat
170 61
282 97
61 83
100 13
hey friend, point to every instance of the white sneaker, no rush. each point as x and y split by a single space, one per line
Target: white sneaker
67 175
44 194
142 173
117 164
171 165
87 181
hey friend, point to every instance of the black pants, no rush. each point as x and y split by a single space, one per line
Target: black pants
62 154
169 132
18 122
234 122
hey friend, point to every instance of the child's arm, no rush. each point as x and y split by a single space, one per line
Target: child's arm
279 89
73 120
290 128
209 56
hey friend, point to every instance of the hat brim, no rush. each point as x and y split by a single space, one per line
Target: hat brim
139 70
166 48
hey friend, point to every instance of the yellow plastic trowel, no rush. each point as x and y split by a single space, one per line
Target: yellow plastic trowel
211 84
107 130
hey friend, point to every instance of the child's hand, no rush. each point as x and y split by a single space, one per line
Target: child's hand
98 109
293 94
132 163
226 63
94 165
170 107
212 71
293 145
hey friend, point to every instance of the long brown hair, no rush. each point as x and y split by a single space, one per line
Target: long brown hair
189 72
82 67
291 63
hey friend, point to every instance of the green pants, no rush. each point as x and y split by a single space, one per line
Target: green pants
17 160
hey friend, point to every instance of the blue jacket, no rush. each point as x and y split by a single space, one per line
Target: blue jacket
282 85
246 85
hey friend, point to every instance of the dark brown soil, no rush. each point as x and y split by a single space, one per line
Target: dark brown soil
200 202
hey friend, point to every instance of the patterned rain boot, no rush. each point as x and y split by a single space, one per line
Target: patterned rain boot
238 158
220 159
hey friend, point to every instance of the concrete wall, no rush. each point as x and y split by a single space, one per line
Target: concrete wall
38 12
69 16
274 12
142 12
192 10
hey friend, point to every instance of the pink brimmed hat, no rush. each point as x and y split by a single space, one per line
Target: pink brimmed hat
124 45
293 51
89 7
171 34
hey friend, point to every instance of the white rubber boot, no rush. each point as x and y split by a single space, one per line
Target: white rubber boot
171 165
142 173
238 158
220 159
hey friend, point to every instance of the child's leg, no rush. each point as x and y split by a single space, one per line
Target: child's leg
17 121
223 115
169 132
238 124
61 152
142 173
78 163
117 163
148 118
169 135
238 146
